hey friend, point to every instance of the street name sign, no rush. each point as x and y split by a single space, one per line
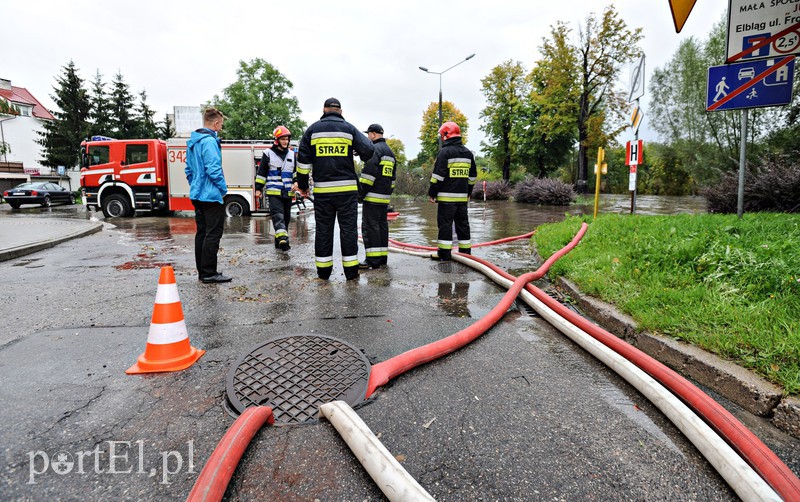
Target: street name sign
751 84
762 29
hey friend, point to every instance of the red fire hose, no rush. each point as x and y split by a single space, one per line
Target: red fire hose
381 373
740 438
215 476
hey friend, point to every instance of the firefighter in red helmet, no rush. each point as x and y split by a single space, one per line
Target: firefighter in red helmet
453 178
276 171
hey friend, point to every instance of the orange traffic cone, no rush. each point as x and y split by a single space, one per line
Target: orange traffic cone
168 347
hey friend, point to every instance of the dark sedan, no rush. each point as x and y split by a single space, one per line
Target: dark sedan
41 192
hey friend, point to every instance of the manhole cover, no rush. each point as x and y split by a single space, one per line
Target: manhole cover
294 374
451 267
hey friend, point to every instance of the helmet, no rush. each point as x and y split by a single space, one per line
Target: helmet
449 130
280 132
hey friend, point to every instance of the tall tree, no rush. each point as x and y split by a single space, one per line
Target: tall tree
145 125
428 132
61 138
604 46
549 129
100 106
504 89
122 109
259 101
165 130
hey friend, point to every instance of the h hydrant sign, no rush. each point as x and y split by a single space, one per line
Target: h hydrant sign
633 157
762 29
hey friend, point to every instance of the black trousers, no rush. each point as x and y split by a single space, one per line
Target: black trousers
447 214
328 208
375 232
280 211
210 219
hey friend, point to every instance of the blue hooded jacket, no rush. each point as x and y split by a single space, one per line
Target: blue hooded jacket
204 167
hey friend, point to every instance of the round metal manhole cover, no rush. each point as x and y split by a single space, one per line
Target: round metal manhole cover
295 374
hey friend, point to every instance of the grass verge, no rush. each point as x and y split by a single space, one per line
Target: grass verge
727 285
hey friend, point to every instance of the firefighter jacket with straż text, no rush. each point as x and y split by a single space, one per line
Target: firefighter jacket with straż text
327 149
454 173
204 167
276 171
377 178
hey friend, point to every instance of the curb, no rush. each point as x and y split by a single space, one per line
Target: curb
28 248
729 380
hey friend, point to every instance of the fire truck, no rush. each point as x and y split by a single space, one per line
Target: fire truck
121 177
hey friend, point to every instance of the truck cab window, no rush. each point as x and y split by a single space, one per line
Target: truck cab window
98 155
135 154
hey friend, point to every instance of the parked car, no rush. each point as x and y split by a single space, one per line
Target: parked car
40 192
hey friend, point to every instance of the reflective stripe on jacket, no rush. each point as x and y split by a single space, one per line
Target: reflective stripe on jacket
378 175
454 173
276 173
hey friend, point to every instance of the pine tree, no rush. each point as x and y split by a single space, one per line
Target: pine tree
101 107
145 125
165 128
122 120
62 137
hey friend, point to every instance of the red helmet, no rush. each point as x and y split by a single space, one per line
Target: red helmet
280 132
449 130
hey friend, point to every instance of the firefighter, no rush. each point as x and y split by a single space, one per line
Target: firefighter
374 191
327 149
277 171
453 178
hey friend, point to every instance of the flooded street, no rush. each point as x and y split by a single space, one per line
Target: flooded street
416 224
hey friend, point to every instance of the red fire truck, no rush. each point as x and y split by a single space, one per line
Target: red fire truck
121 177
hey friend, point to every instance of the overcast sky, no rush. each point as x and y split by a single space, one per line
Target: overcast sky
366 54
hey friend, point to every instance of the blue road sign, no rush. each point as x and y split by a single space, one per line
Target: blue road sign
752 84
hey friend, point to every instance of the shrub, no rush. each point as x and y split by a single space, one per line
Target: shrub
776 187
495 190
545 191
412 182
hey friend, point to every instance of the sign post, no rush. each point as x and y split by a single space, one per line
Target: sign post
636 92
633 158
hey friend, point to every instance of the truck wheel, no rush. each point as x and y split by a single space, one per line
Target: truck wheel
116 206
236 206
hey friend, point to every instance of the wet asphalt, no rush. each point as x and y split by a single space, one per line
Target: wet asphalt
519 414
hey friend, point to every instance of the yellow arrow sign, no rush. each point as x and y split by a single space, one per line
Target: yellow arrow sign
680 12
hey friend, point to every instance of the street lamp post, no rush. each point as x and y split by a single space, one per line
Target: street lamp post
440 73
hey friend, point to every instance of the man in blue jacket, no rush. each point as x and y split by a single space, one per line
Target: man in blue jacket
206 188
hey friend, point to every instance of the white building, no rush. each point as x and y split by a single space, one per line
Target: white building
20 132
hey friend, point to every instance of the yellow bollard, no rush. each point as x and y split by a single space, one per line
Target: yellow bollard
599 168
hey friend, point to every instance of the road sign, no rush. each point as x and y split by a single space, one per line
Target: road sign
633 152
636 117
762 29
637 81
680 12
752 84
